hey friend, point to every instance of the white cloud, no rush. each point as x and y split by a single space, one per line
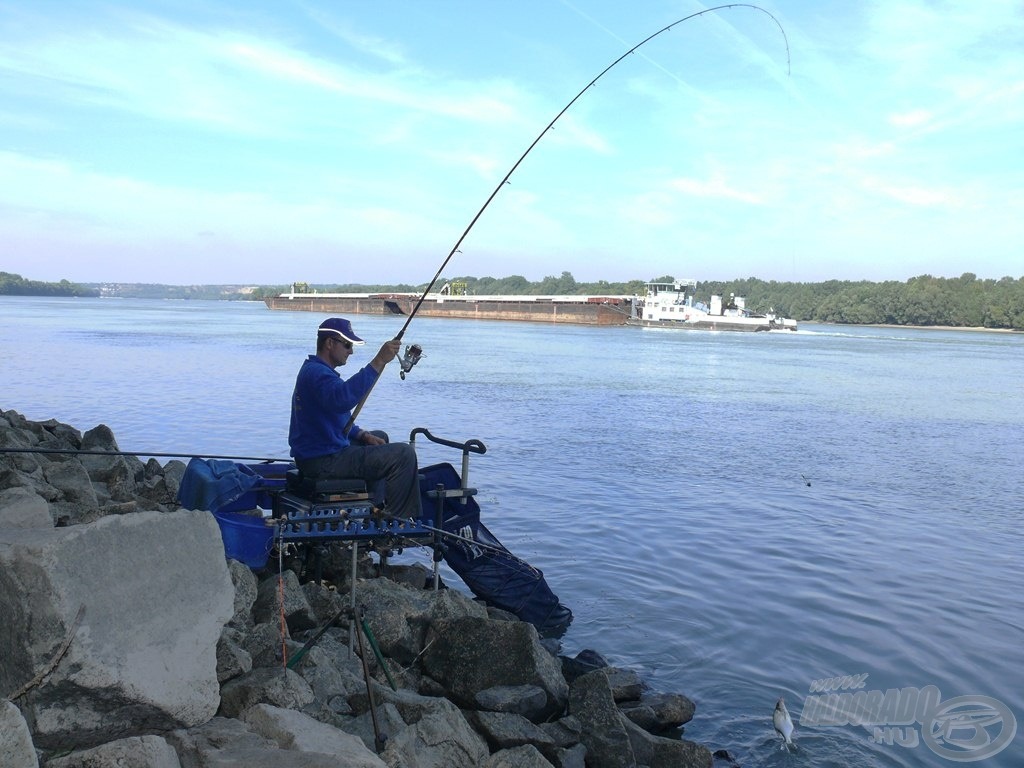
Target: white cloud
714 187
912 119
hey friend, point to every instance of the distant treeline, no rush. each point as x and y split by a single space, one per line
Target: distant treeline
962 302
160 291
16 285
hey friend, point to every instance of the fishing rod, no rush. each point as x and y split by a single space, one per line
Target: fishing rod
548 127
86 452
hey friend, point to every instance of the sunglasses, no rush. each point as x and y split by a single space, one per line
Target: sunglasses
344 342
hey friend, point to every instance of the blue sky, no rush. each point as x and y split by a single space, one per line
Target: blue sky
332 142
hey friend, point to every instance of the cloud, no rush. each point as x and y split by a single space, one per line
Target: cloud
713 187
377 47
912 119
928 197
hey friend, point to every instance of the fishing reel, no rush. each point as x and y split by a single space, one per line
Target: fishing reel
413 353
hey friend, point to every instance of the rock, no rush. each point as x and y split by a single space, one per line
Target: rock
174 471
525 756
271 685
389 723
526 700
603 731
244 582
121 474
585 661
296 731
564 732
657 752
232 659
132 752
333 675
724 754
659 711
469 655
155 593
297 611
63 434
80 502
230 743
625 684
571 757
411 706
22 508
263 644
397 616
504 730
441 740
416 576
324 603
16 750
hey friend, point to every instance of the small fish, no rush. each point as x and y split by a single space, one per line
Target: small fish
783 723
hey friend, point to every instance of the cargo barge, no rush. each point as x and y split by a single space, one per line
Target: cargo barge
579 310
665 305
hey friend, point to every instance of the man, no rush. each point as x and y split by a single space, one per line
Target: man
322 442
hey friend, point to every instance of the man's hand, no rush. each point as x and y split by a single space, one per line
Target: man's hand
368 438
388 351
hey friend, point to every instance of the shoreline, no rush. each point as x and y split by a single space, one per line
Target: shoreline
969 328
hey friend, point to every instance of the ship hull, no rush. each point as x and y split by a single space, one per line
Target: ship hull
536 311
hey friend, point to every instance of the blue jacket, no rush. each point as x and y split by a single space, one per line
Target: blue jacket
322 404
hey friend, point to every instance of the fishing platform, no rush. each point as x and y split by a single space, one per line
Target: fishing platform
270 506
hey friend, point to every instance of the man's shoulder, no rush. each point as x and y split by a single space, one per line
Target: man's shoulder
313 366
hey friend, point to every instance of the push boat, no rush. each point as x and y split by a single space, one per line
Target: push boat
672 305
268 505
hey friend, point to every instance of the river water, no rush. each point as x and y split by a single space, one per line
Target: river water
734 516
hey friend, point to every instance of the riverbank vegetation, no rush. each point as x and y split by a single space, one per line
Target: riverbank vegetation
16 285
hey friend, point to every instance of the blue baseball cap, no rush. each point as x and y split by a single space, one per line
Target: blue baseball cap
338 327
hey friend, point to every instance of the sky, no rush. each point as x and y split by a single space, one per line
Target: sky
333 141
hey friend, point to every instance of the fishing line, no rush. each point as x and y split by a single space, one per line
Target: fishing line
85 452
489 549
548 127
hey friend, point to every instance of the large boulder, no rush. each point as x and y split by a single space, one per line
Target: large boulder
295 730
439 740
468 655
604 731
230 743
139 602
133 752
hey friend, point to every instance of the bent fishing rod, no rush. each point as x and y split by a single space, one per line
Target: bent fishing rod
154 454
548 127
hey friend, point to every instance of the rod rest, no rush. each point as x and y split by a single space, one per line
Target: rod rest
300 519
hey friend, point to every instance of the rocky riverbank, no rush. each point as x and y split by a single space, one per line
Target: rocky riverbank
128 639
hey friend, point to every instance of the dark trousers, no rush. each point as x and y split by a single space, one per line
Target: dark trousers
395 464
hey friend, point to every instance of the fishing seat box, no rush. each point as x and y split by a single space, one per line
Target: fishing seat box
336 510
324 490
319 508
